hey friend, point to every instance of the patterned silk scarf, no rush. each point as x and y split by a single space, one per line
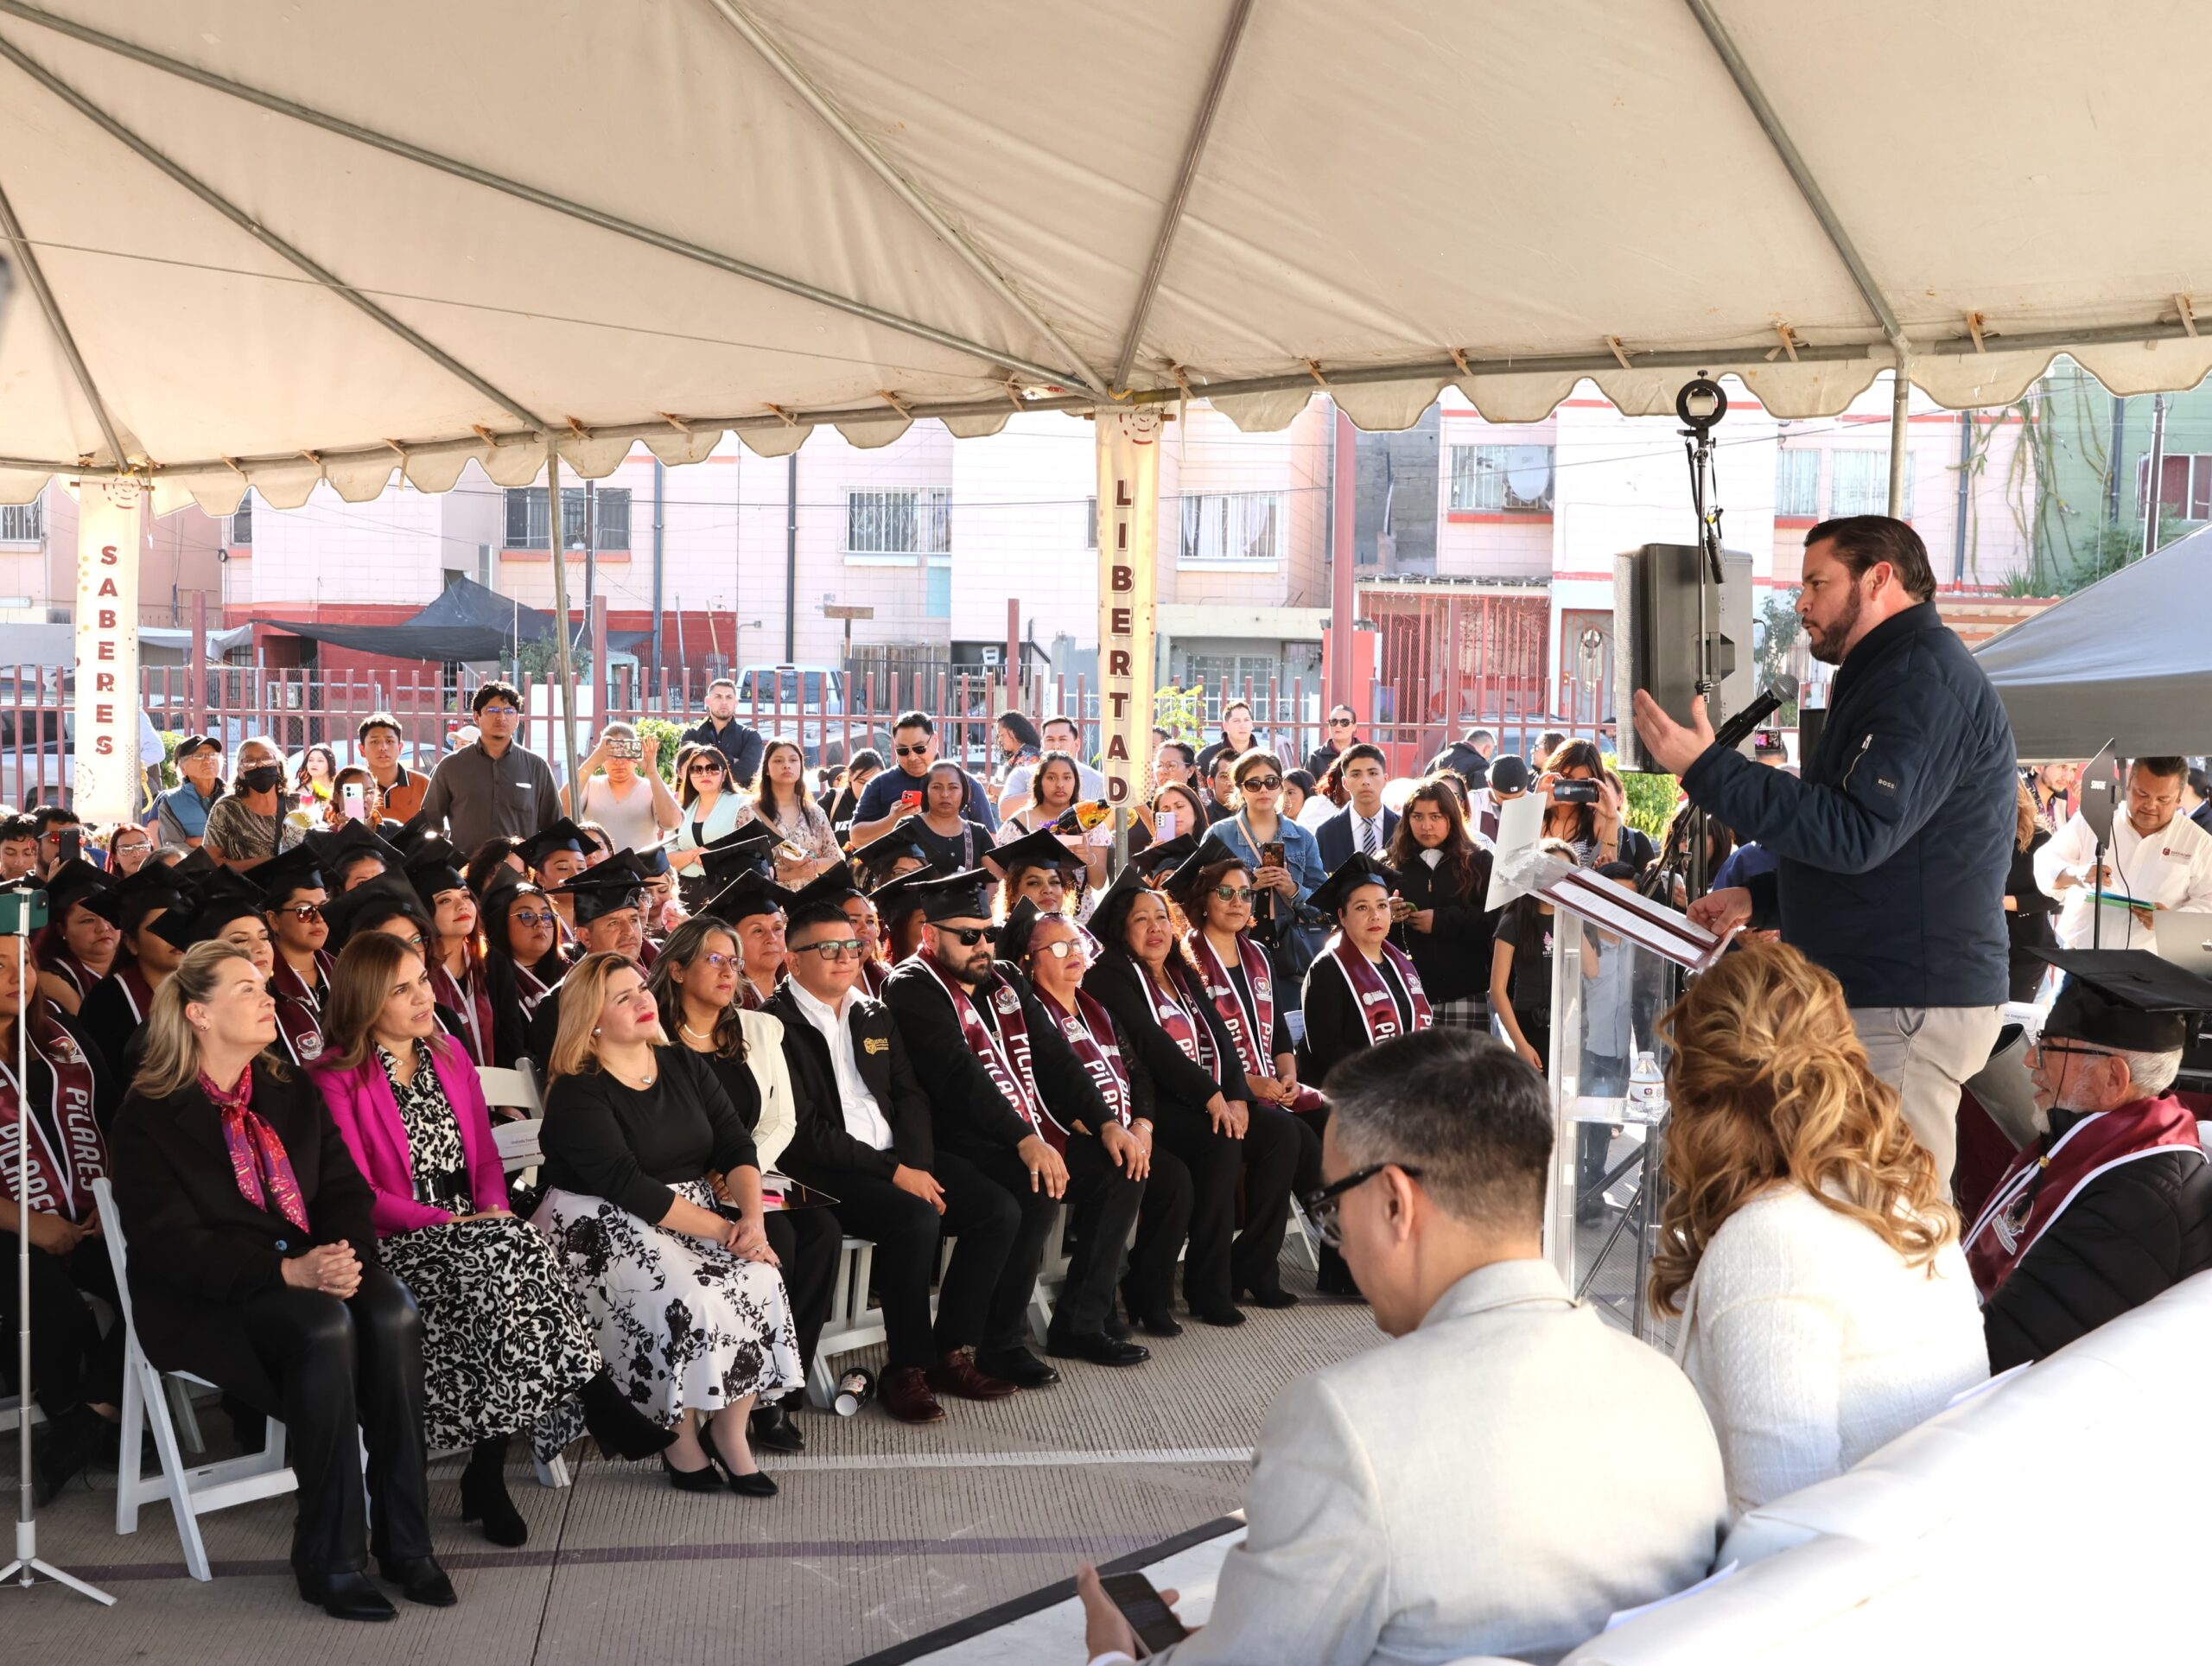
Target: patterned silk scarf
257 1156
1378 1007
1005 1055
59 1182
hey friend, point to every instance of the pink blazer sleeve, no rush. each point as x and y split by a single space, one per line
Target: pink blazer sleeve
369 1123
487 1175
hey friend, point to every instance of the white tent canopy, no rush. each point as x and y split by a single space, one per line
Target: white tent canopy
279 243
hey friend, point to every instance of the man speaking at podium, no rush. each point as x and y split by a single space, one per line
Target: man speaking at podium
1896 838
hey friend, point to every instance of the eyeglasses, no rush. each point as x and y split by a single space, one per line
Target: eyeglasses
303 911
1065 948
1234 893
531 916
1264 783
970 936
1321 1205
831 948
495 710
921 751
2033 1053
718 960
413 939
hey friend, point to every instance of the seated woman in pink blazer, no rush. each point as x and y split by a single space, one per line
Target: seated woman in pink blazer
505 1348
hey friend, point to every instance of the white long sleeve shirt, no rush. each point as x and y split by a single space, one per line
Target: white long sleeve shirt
2171 868
864 1119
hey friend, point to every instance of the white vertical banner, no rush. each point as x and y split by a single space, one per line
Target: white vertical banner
110 519
1128 543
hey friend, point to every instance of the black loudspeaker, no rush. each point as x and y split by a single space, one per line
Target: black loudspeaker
1655 599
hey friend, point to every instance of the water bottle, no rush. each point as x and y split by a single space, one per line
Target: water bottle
1647 1090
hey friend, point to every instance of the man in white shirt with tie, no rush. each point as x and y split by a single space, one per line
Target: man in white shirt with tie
1363 827
2158 859
864 1137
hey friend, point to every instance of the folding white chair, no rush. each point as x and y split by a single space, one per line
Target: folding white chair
852 1325
512 1090
1304 1240
192 1491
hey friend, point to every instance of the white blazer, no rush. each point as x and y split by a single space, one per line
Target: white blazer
764 1053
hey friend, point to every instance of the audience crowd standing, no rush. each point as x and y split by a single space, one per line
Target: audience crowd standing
935 1005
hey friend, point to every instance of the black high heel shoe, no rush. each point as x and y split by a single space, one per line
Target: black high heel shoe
484 1497
708 1479
755 1485
621 1430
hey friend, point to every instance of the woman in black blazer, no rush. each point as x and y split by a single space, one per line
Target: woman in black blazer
1201 1103
1443 881
253 1263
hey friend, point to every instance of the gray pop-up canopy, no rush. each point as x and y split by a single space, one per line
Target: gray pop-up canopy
2129 660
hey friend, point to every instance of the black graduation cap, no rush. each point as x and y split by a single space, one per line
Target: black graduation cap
194 864
2125 998
563 834
1015 929
613 884
952 896
1042 848
152 887
369 905
895 897
880 852
1185 874
298 869
406 838
750 893
1357 869
207 908
434 869
650 862
337 848
74 881
1136 873
725 860
832 884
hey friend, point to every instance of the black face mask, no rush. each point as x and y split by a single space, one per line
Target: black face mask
262 777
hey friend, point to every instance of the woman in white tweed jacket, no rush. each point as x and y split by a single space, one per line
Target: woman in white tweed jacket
1826 1305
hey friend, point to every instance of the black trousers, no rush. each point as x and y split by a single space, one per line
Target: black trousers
978 1215
1222 1260
349 1371
1163 1222
73 1364
1102 1206
1330 1274
808 1242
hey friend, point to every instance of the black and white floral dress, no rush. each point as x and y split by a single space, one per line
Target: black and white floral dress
505 1348
684 1324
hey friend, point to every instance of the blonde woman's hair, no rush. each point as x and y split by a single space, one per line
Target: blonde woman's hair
583 992
1769 1084
172 1057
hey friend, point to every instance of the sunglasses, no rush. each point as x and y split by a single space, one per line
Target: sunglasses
303 911
921 751
1341 722
1321 1207
831 948
1235 892
707 769
970 936
1263 783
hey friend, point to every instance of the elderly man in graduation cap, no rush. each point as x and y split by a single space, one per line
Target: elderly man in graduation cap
1008 1094
2113 1204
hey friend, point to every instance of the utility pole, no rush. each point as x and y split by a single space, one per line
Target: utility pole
2155 467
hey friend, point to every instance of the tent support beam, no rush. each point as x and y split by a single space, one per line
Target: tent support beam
34 275
261 234
797 80
531 194
1231 38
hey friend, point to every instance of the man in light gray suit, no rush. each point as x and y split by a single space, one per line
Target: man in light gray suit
1507 1472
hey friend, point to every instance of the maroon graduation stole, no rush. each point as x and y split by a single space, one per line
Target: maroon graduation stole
60 1181
471 1001
1378 1009
71 970
2039 1185
748 992
528 990
286 984
299 1025
873 974
1004 1054
1251 1031
138 994
1090 1033
648 952
1182 1025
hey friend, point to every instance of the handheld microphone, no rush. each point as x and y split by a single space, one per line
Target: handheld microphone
1738 729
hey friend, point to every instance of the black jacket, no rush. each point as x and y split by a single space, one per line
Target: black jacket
820 1141
966 1108
741 744
2131 1233
2028 926
1453 957
1895 844
1464 761
198 1249
1179 1086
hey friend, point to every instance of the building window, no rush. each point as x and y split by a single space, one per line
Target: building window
1797 484
2184 485
1234 526
241 536
1861 485
936 601
21 523
1090 523
610 515
915 521
1509 480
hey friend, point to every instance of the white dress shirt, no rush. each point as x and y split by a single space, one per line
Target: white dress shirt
1361 833
2170 868
864 1118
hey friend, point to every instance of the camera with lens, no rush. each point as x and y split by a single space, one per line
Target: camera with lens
1575 792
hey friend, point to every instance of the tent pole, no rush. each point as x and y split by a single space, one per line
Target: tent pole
1900 406
561 608
2154 469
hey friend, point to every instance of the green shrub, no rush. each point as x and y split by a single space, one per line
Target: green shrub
668 734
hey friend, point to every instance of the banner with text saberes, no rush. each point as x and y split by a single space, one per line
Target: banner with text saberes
111 524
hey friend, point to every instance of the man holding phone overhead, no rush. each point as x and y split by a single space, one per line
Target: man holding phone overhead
896 793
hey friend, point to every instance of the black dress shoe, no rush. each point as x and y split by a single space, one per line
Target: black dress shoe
62 1449
1017 1366
615 1421
1116 1326
1274 1299
484 1498
420 1580
702 1479
1223 1317
1160 1322
771 1427
1098 1348
345 1596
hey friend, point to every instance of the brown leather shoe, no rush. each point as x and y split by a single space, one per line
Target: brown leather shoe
905 1395
957 1374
